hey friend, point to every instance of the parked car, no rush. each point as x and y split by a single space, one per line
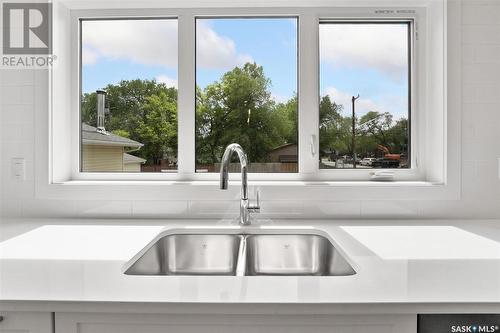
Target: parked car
367 161
385 163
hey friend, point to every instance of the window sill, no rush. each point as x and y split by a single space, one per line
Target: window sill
270 190
259 183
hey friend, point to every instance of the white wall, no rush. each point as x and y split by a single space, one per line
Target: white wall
480 193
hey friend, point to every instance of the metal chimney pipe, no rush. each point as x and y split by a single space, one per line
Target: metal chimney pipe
101 109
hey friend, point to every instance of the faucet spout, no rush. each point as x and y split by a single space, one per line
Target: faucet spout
224 168
245 207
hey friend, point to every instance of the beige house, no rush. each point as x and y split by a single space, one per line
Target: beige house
107 152
132 163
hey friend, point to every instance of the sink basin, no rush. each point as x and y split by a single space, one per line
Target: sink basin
254 252
189 254
294 255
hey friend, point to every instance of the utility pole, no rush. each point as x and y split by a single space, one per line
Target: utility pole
354 131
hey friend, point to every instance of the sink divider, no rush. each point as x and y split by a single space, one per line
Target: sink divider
241 264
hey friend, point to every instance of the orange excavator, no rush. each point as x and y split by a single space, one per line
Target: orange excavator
388 161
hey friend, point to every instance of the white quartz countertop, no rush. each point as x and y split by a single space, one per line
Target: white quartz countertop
396 262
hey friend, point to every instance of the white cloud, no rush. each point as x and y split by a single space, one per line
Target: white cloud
396 105
363 105
382 47
214 51
154 42
169 82
279 98
89 57
147 42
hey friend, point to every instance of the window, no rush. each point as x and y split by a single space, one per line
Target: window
246 92
364 115
128 95
278 82
433 148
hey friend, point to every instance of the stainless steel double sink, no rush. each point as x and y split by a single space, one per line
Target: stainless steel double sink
211 252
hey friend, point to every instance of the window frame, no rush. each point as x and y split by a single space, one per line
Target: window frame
281 16
308 90
414 172
80 68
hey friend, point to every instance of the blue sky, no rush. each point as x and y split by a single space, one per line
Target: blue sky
107 71
271 43
366 59
355 58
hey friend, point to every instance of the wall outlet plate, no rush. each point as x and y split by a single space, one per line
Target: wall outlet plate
18 166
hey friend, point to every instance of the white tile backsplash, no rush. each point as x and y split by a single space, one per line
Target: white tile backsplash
287 209
338 209
17 132
17 113
10 207
12 149
103 208
478 14
480 121
468 54
11 94
481 93
389 209
487 54
480 73
33 207
480 149
487 94
17 77
480 193
481 34
213 209
163 209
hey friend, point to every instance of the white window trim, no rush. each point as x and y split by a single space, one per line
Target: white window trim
308 90
309 173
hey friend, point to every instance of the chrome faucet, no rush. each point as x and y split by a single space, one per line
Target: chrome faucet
245 207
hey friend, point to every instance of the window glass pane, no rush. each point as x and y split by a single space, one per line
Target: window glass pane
129 95
370 60
246 84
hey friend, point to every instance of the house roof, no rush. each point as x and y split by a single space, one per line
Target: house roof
284 146
90 136
129 159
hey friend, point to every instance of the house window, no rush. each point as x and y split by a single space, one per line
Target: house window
246 92
128 95
241 81
365 100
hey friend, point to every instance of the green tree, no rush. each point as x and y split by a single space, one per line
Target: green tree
121 132
89 109
376 124
398 136
373 129
377 128
287 121
130 103
334 130
238 108
158 128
